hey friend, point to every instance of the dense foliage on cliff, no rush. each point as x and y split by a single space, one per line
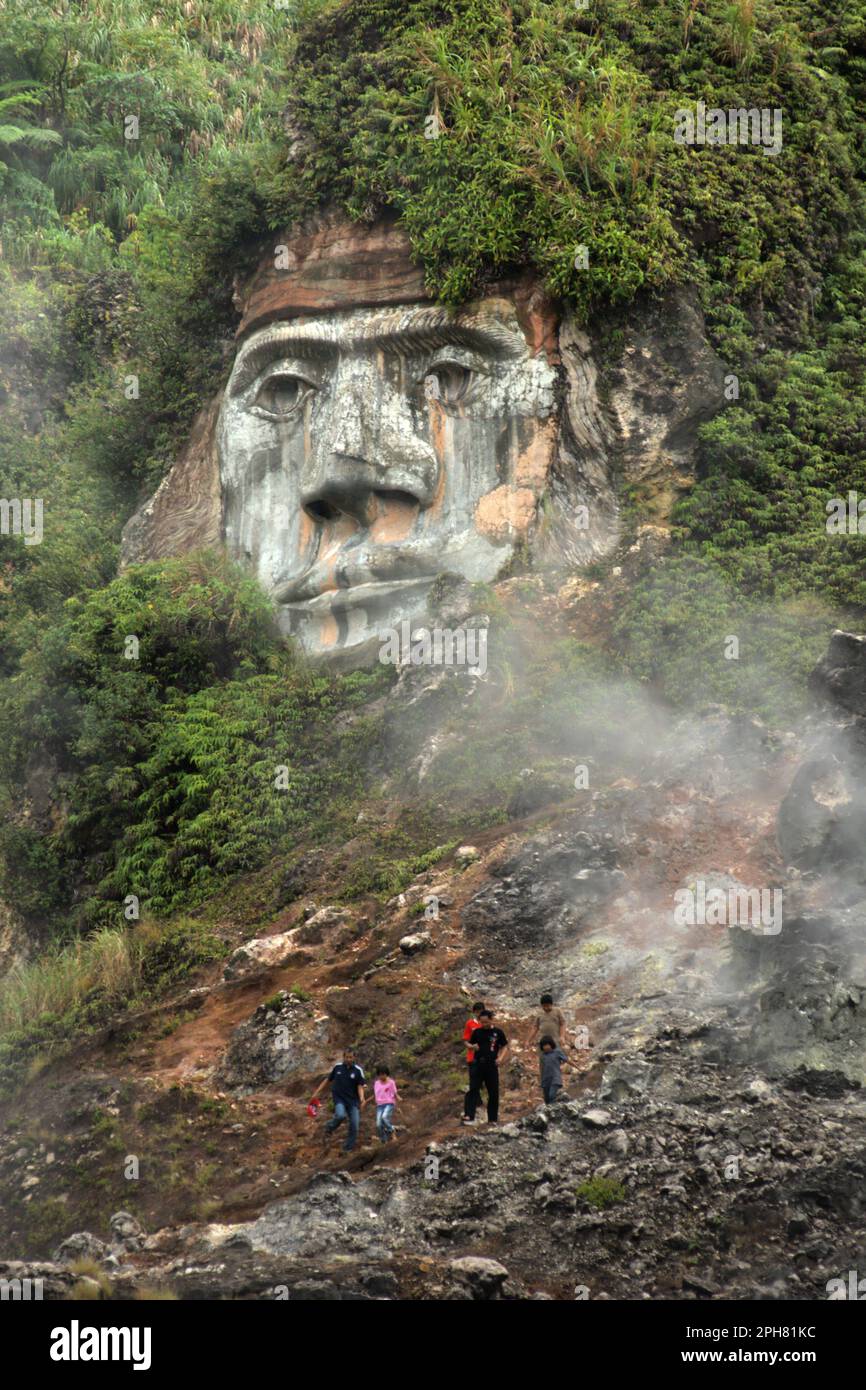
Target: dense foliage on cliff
556 130
164 708
148 150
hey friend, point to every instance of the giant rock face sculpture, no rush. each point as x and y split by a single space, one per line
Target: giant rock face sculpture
369 440
365 451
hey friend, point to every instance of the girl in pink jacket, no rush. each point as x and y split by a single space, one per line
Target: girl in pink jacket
387 1095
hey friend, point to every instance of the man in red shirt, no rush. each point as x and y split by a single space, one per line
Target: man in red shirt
472 1024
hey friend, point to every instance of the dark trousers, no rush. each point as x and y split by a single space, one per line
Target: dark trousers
551 1090
483 1074
469 1066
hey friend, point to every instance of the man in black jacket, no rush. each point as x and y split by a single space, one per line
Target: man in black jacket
491 1048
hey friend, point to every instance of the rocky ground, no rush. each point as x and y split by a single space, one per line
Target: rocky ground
712 1145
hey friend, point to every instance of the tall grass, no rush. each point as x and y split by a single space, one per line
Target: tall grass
104 969
108 962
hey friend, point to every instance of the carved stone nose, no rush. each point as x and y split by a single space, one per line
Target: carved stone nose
369 461
348 491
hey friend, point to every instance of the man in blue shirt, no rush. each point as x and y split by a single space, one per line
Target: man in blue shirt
347 1093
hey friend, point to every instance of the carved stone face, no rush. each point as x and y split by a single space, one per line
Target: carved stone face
369 440
364 451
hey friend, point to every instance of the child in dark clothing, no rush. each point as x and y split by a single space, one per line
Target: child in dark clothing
553 1059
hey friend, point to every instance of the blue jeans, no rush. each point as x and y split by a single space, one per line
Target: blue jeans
342 1112
384 1128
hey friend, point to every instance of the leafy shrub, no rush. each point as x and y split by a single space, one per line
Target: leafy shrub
600 1192
96 717
674 632
556 129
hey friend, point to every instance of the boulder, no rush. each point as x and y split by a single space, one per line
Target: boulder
20 1280
312 933
626 1078
840 675
484 1278
415 942
126 1229
83 1245
597 1119
465 855
283 1036
260 953
333 1216
822 820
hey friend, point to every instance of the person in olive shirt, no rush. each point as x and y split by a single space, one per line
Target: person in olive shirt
491 1048
547 1022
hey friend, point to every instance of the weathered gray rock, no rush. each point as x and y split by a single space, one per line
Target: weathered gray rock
822 819
333 1215
597 1119
126 1229
283 1036
483 1277
26 1280
539 897
465 855
840 675
617 1143
414 943
314 929
260 953
83 1245
626 1077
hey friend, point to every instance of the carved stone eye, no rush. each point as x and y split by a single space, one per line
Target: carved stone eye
282 394
447 382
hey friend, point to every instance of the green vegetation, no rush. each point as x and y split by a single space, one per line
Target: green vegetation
673 631
96 273
73 990
169 759
429 1024
385 873
600 1192
556 130
119 254
91 1273
47 1222
755 558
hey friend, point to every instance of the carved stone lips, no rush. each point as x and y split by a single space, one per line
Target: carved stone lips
384 568
375 593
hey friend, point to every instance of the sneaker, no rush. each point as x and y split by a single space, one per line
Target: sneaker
466 1121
